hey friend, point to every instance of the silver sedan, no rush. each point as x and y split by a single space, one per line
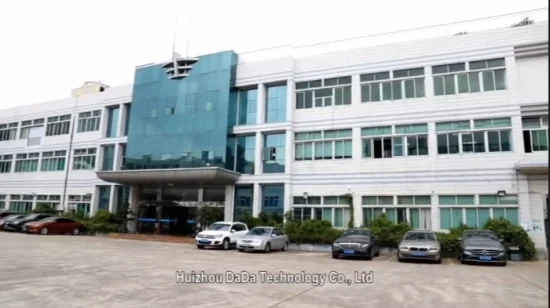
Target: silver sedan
420 245
263 239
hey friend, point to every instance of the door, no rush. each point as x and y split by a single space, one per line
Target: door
65 225
278 238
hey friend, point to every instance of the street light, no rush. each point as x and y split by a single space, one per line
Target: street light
501 193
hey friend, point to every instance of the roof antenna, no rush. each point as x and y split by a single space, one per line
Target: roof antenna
174 55
188 38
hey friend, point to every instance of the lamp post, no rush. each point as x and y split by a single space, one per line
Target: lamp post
68 165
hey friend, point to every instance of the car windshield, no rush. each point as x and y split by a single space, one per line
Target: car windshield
31 217
419 236
260 231
480 236
219 227
48 219
356 233
14 217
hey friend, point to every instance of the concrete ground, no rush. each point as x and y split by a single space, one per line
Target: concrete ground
80 271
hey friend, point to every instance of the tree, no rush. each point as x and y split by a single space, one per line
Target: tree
526 21
206 215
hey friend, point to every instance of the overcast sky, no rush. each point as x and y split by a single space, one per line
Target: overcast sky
50 47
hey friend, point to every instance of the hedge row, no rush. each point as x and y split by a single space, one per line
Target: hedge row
390 234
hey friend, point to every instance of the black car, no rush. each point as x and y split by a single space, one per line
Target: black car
18 224
481 246
356 243
4 214
10 217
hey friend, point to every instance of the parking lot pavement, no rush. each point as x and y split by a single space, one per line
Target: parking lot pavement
79 271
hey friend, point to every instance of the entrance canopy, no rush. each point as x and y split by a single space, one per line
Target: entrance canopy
533 165
176 177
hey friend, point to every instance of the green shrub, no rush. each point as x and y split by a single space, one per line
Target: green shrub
44 208
513 235
387 233
102 227
311 232
263 219
449 243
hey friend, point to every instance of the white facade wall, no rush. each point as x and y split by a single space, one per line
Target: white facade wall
526 83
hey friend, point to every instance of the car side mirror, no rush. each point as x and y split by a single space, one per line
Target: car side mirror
459 239
233 231
273 235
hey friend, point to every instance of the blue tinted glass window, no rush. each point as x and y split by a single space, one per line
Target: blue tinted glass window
108 158
104 197
247 106
273 199
193 135
112 122
244 196
275 108
245 154
127 122
274 153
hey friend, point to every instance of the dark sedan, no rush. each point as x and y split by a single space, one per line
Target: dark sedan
17 225
481 246
356 243
4 214
9 218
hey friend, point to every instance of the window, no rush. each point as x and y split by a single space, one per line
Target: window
52 200
488 135
408 140
89 121
8 131
274 153
418 217
5 163
170 106
190 104
58 125
457 210
498 200
457 200
245 154
27 162
328 144
80 203
310 200
535 133
84 159
377 200
487 75
19 204
275 108
108 157
323 93
309 209
407 83
113 114
32 130
53 161
246 110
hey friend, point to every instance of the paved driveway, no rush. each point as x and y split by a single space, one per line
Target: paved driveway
70 271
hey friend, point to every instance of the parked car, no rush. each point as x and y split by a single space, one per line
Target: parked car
59 225
222 234
6 213
356 243
481 246
17 224
419 245
264 239
10 217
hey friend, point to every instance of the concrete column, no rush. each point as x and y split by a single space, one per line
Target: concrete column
112 199
355 89
434 212
356 145
288 198
133 200
432 141
117 159
290 96
357 211
258 159
260 104
122 120
159 194
93 204
289 151
257 200
104 121
201 194
428 82
229 207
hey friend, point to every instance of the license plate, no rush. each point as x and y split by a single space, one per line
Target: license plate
348 252
485 258
418 254
204 241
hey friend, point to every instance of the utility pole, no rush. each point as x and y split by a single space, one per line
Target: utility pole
68 164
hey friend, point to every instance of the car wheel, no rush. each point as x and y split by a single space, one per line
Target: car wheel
335 256
241 250
200 247
76 231
503 263
226 244
377 254
399 259
44 231
369 255
267 248
438 261
285 247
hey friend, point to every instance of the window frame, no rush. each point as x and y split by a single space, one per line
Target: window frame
58 125
81 155
8 131
89 121
342 83
393 136
380 80
334 141
21 159
55 158
542 127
